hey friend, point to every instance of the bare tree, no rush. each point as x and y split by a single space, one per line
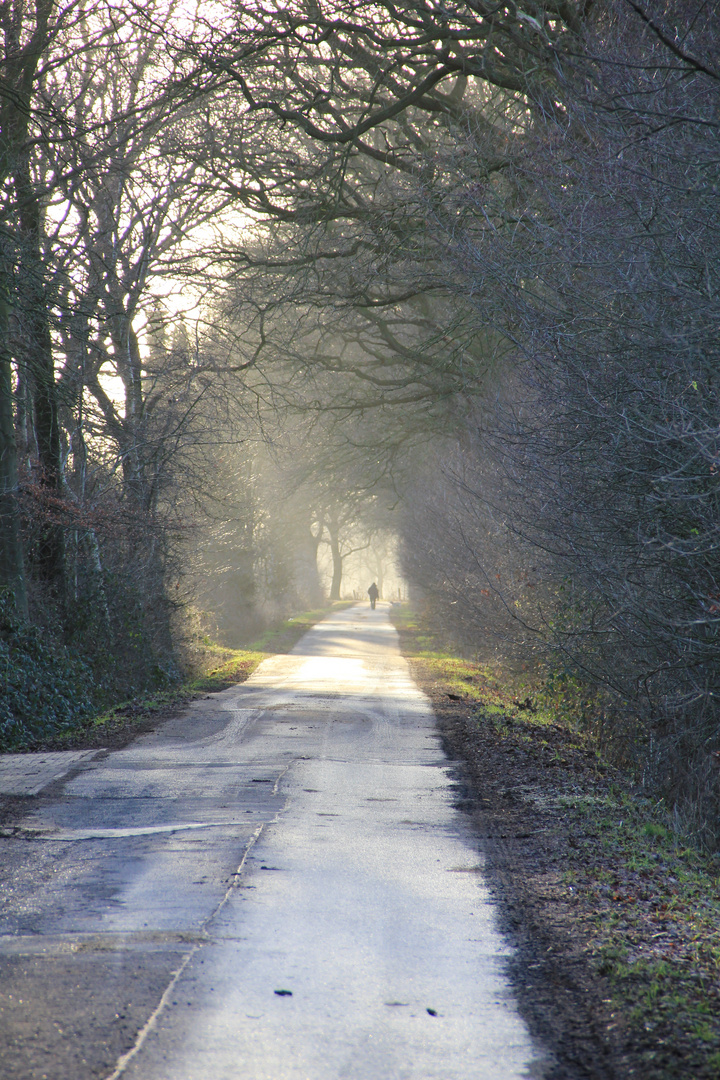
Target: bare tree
553 207
605 433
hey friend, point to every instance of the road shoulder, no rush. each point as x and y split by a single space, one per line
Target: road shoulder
617 942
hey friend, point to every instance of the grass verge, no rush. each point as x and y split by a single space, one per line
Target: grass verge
616 917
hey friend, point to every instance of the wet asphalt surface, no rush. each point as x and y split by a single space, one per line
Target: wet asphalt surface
275 885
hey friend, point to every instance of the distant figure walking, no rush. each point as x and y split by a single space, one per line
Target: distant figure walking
373 594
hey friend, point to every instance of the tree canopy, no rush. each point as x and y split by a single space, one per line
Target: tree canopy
446 271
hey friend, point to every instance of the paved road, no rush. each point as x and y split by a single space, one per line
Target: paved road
274 886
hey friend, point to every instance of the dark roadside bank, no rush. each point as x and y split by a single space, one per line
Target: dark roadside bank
615 919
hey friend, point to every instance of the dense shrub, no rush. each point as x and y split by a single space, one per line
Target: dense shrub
46 689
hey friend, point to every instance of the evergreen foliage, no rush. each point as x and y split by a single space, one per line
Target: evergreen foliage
48 689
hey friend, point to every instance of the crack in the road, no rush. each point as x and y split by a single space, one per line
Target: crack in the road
71 835
122 940
149 1024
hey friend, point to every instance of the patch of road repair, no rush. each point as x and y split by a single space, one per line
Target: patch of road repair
29 774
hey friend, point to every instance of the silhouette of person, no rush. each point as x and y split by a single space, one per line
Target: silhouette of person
373 593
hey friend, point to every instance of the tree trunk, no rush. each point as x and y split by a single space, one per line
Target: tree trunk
306 567
50 556
12 569
337 559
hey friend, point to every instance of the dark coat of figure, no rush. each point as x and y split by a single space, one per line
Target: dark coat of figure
373 593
